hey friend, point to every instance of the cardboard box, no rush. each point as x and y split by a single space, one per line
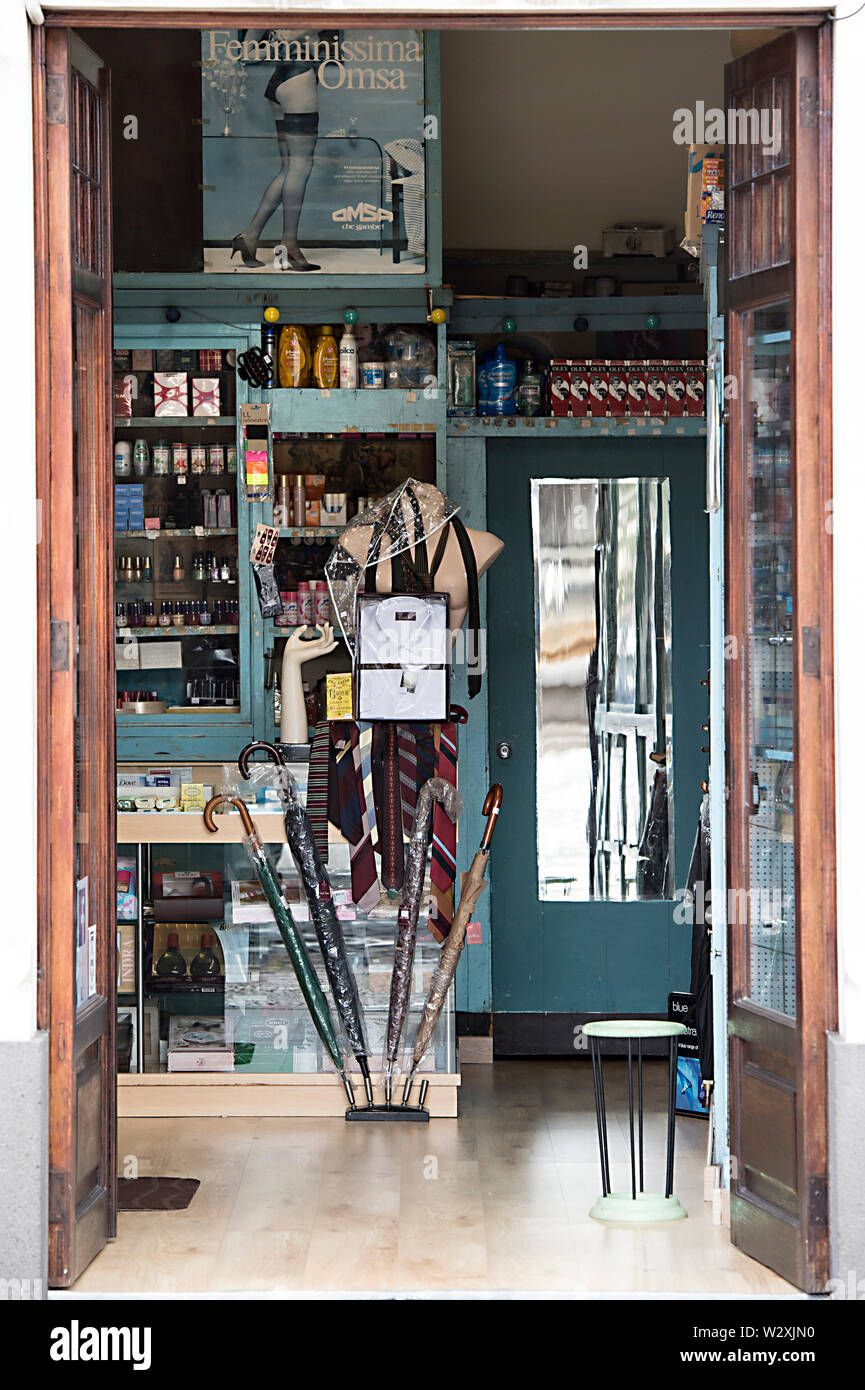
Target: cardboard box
560 388
205 395
637 240
617 388
675 388
656 388
580 389
200 1044
142 359
637 389
170 394
125 391
126 957
695 386
599 386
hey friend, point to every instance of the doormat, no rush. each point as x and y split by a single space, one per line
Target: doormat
155 1194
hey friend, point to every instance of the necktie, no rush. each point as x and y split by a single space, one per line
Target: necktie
317 786
425 755
352 819
444 839
364 756
390 830
407 759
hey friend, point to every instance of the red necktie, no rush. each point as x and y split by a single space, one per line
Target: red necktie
390 830
444 838
352 821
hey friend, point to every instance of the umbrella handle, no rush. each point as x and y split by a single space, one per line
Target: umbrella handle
235 801
259 745
458 715
492 804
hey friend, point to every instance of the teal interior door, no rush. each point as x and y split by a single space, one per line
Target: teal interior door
562 953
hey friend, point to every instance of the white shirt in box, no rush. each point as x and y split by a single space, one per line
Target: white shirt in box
403 647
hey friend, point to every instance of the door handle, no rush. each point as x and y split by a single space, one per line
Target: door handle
504 749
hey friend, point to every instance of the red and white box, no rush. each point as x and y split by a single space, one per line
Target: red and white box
695 386
125 392
170 393
580 389
205 395
636 388
617 388
656 388
599 386
560 387
675 387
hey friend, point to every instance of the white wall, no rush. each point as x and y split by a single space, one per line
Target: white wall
549 137
17 542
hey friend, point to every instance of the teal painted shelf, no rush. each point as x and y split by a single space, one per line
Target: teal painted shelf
199 533
624 426
348 412
298 532
166 422
146 633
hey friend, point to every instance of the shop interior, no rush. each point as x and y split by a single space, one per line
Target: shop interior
510 323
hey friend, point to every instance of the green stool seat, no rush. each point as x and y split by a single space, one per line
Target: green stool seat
636 1206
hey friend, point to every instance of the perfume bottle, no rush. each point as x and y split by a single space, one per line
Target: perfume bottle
205 964
171 964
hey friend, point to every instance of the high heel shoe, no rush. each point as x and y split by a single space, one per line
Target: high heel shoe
297 260
241 244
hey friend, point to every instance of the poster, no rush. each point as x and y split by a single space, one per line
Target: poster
691 1095
314 151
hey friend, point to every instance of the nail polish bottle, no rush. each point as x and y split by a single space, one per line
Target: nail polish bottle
178 574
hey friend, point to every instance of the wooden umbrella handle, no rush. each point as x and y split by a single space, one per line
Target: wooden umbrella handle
235 801
259 746
491 807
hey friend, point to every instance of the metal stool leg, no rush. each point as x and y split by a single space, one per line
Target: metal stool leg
602 1129
671 1116
631 1118
640 1111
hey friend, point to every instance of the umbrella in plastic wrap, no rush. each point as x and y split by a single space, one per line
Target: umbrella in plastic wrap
391 526
473 885
303 969
316 886
436 789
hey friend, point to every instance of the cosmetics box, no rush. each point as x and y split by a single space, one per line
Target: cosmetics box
637 388
695 386
617 388
201 1044
122 359
675 388
164 359
560 387
223 509
125 391
186 359
580 405
634 240
402 657
170 393
656 388
205 395
313 512
210 359
127 889
188 896
126 957
599 386
142 359
156 656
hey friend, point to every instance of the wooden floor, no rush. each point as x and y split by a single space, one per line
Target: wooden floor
497 1200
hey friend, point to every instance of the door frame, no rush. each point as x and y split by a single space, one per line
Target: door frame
820 957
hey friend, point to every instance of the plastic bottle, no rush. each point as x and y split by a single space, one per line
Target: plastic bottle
348 359
294 356
501 381
530 390
325 359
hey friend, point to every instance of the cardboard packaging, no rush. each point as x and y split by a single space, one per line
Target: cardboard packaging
580 389
695 387
637 389
200 1044
656 388
126 958
617 388
170 393
704 200
648 240
599 386
205 395
210 359
125 391
560 388
142 359
675 388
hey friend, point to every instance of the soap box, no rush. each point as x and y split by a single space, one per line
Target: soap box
637 388
656 388
695 387
617 388
675 388
580 388
560 388
599 386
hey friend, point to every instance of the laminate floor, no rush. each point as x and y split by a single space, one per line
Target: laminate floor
495 1201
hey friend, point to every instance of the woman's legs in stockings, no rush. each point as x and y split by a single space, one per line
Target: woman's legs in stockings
295 110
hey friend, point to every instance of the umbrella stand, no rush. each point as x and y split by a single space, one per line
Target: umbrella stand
292 939
436 789
316 886
473 885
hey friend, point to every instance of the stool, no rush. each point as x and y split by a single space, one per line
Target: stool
637 1205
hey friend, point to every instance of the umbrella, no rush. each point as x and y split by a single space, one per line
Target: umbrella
316 886
416 852
306 976
473 885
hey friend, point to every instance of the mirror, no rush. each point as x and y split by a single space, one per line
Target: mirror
601 550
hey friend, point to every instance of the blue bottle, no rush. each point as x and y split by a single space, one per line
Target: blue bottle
501 384
483 405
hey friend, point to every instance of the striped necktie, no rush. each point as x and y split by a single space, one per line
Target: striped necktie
390 831
444 838
317 786
407 758
364 757
353 821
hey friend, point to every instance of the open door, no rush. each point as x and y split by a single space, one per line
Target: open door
76 656
780 740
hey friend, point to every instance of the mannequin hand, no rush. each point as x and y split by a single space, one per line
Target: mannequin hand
299 649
